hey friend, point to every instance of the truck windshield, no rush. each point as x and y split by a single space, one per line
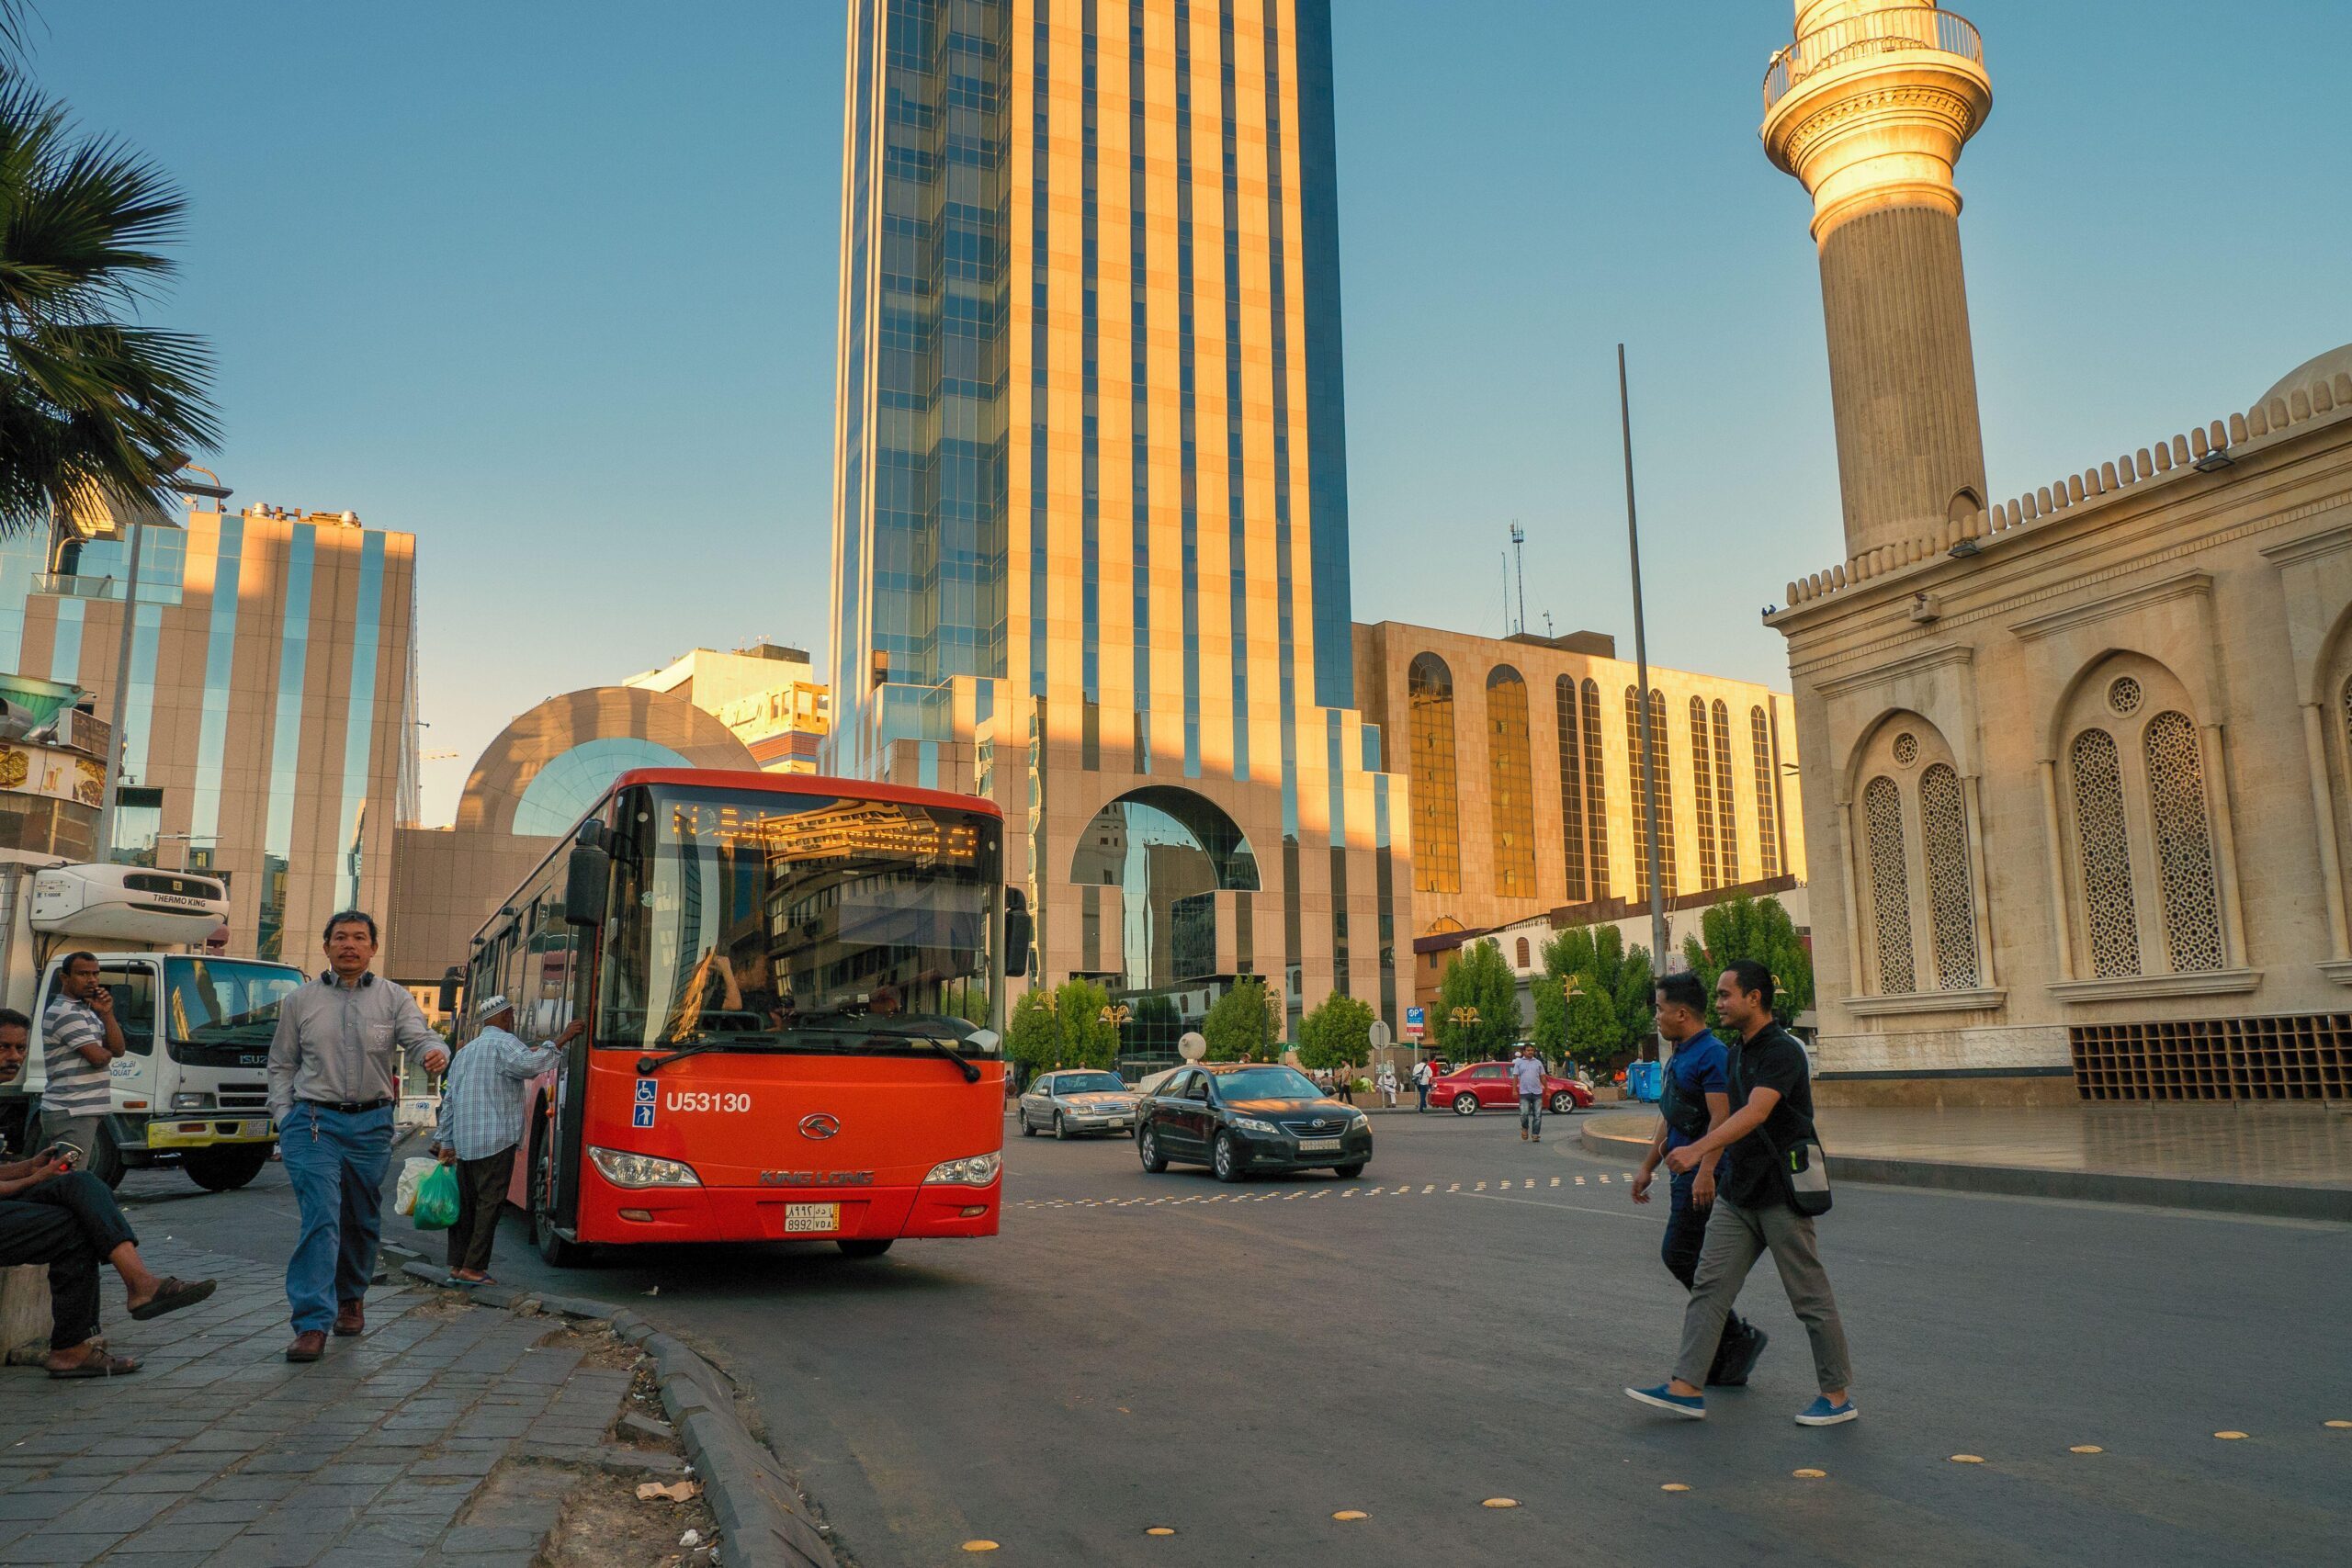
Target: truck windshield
225 1001
777 922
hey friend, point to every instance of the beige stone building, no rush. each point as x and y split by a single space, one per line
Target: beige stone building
269 732
2080 761
767 693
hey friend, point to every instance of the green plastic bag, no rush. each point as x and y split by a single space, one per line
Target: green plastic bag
436 1200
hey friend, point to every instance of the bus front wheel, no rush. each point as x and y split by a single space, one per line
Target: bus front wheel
863 1247
552 1245
226 1167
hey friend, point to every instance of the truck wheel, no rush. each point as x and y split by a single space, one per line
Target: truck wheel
105 1159
227 1168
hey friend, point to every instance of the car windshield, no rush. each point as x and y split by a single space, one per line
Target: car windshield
1266 1083
797 922
1090 1083
216 1002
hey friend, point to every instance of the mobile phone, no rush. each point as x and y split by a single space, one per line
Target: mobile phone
67 1155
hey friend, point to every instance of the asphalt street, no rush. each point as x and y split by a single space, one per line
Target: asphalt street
1240 1364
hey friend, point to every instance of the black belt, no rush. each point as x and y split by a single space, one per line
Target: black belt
348 1107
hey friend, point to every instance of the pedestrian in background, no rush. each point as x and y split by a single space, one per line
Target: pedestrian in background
1388 1085
1421 1080
1527 1072
80 1041
332 1079
1694 1099
481 1126
1771 1084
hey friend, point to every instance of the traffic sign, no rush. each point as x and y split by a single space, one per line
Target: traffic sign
1417 1024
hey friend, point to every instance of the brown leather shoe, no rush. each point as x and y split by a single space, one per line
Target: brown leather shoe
351 1319
308 1346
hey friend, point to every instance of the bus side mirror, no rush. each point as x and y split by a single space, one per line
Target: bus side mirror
449 991
1018 931
587 880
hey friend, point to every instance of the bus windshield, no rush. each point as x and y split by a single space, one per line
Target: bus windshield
225 1001
763 922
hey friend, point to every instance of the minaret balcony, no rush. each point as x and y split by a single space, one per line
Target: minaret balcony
1898 30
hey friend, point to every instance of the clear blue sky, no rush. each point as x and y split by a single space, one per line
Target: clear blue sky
551 286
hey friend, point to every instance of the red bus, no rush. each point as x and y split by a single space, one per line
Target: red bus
795 994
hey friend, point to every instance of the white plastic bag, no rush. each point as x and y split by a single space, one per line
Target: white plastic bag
412 1172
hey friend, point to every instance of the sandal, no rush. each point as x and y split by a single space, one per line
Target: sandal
98 1364
172 1295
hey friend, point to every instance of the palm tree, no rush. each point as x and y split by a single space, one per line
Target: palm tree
90 403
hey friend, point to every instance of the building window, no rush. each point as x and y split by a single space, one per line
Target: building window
2193 901
1665 793
1952 899
1564 720
1437 835
1890 886
1727 811
1703 792
1768 816
1596 793
2105 852
1511 784
1523 954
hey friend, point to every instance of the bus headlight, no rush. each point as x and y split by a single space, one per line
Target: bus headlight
623 1170
975 1170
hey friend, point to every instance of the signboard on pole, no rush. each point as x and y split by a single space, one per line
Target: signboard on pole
1417 1024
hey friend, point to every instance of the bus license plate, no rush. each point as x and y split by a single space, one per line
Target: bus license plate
1318 1146
811 1217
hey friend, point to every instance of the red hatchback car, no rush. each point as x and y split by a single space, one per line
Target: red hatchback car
1486 1086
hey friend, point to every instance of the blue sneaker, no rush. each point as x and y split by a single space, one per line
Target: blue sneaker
1821 1412
1691 1407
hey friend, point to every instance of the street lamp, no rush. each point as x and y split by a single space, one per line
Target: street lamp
1115 1016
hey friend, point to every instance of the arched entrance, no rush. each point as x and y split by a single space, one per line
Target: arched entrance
1169 851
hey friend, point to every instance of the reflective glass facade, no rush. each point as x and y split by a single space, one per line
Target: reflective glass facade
561 792
1511 785
1703 792
1437 837
1665 785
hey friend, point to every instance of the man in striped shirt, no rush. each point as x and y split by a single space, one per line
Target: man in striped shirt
481 1123
79 1040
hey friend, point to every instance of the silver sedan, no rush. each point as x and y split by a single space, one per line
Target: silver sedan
1069 1103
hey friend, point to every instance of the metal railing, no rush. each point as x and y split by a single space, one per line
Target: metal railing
78 587
1896 31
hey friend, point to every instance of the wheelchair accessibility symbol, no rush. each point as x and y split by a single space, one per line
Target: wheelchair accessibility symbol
642 1113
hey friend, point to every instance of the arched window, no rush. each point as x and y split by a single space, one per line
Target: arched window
1570 733
1640 796
2104 848
1436 836
2184 845
1596 792
1912 839
1522 952
1890 886
1702 791
1510 784
1726 812
1768 778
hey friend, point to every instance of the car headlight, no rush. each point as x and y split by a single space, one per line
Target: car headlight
624 1169
1358 1120
191 1102
973 1171
1252 1125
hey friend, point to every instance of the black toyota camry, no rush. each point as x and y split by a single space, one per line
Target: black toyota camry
1236 1118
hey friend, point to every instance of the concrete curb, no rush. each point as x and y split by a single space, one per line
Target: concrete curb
2269 1199
761 1520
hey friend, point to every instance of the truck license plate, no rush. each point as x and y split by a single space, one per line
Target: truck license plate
1318 1146
811 1217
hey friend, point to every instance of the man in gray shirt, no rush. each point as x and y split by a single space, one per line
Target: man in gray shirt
332 1083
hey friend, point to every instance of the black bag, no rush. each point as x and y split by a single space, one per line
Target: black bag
1685 1115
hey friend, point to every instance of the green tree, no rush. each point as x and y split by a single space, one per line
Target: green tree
1337 1034
1239 1022
1610 1016
1033 1035
1088 1039
1758 928
91 403
1478 980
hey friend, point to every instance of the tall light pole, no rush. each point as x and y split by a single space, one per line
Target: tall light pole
1642 698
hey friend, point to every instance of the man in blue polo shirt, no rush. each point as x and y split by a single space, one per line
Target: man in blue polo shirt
1694 1099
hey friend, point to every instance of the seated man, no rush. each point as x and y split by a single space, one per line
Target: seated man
49 1213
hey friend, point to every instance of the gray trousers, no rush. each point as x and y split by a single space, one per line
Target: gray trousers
1736 1238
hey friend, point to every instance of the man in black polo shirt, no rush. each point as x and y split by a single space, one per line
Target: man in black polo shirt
1774 1089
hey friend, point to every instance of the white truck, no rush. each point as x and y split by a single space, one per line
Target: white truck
193 1087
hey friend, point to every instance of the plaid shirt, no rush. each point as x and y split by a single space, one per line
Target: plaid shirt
482 1099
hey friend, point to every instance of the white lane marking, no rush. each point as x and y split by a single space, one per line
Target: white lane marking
1454 1186
1555 1182
1580 1181
1543 1204
1431 1188
1288 1196
1482 1187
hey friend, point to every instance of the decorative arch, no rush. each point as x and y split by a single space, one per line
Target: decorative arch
2145 873
1524 961
582 740
1916 862
1437 812
1162 853
1511 785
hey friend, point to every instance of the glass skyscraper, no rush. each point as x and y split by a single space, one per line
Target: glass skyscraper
1090 527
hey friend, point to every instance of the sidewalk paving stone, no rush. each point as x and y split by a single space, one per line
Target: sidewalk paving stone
387 1454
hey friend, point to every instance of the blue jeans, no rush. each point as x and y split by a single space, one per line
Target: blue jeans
336 1165
1530 1113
